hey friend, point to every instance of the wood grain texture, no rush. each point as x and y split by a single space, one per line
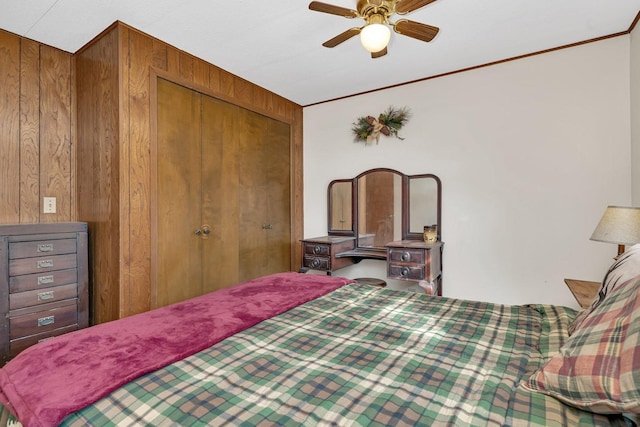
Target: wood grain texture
55 131
179 196
10 127
137 55
136 297
29 132
97 164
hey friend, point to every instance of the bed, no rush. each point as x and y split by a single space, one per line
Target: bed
299 349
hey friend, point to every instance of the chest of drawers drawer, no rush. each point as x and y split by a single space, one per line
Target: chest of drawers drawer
41 264
43 283
50 318
42 280
39 248
42 296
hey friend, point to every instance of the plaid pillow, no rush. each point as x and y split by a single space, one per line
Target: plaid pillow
598 368
624 268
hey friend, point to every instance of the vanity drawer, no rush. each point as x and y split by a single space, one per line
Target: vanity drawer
317 249
406 255
19 344
42 296
42 248
43 321
316 263
407 272
40 264
28 282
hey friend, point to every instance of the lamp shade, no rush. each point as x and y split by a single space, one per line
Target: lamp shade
375 37
619 225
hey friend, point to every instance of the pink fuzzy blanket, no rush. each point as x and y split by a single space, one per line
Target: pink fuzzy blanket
46 382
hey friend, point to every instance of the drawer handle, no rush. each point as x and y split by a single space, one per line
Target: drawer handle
45 280
406 256
315 263
46 247
405 272
317 249
44 321
44 263
43 296
267 226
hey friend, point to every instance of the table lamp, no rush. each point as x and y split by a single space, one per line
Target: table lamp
620 225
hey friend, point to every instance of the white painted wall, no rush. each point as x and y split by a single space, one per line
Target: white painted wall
635 117
530 152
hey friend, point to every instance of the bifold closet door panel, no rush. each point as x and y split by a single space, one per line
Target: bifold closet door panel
278 179
263 194
220 129
179 199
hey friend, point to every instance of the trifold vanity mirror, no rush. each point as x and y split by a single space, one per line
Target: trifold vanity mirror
381 214
381 206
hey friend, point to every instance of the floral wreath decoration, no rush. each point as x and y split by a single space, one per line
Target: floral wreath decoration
388 123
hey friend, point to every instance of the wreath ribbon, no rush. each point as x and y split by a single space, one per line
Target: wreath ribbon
375 129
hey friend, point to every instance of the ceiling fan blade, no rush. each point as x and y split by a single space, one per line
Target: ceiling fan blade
342 37
417 30
406 6
378 54
333 10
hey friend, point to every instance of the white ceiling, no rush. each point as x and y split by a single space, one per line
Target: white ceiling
277 44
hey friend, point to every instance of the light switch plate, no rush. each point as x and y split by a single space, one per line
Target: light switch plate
49 205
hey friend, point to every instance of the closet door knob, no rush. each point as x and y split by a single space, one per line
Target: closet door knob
198 232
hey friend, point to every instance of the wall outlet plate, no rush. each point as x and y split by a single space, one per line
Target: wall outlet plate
49 205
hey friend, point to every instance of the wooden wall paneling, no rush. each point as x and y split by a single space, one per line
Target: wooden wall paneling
138 289
214 79
226 84
263 99
173 60
297 202
9 127
55 131
137 55
30 131
186 67
97 71
160 60
73 142
243 91
201 73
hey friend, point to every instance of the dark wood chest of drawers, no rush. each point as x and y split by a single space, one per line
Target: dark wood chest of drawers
44 283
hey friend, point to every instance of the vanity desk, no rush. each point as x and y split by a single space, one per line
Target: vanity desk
380 214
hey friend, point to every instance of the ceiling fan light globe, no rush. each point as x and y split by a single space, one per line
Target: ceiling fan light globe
375 37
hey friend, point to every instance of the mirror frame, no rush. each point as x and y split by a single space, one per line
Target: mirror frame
334 232
406 221
406 233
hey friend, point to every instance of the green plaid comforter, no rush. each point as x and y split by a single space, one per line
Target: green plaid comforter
359 356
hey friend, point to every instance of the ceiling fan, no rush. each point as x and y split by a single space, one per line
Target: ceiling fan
375 35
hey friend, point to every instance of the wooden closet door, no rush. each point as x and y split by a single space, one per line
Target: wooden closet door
264 196
220 129
179 195
277 160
